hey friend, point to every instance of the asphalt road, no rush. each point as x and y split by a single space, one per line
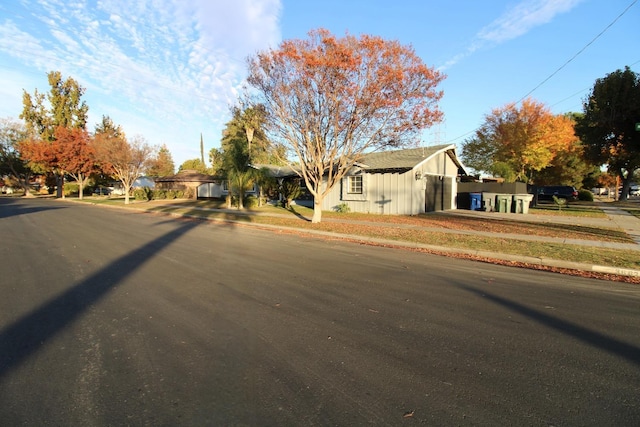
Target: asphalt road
109 317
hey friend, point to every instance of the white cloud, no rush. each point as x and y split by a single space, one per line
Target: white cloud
174 63
515 22
523 18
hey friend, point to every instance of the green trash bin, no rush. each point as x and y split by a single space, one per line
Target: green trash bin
503 202
489 202
522 202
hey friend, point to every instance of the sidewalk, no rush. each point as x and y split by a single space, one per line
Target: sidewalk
616 218
624 220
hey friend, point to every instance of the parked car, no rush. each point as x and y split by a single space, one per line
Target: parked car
634 190
566 192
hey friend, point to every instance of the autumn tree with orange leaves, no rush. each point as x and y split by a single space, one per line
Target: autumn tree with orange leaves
65 110
68 153
515 142
119 157
328 100
74 154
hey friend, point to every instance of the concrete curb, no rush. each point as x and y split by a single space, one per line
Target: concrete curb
544 262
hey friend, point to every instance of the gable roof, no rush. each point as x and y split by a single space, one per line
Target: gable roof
277 171
407 159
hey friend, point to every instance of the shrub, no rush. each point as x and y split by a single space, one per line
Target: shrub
144 194
585 195
71 189
560 202
159 195
290 190
250 202
343 208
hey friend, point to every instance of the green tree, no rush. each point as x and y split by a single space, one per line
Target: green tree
607 128
202 149
12 164
215 158
194 164
236 166
66 109
244 147
107 127
162 164
516 142
290 190
248 124
328 100
569 167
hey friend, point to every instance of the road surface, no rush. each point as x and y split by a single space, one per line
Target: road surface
109 317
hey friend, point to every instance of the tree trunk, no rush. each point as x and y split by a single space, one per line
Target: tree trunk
80 185
240 199
59 186
317 210
24 183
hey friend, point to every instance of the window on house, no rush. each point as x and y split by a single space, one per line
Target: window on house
355 184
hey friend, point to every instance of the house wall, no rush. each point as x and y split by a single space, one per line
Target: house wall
210 190
438 168
396 193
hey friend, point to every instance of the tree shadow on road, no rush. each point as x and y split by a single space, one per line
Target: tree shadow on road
595 339
25 336
10 206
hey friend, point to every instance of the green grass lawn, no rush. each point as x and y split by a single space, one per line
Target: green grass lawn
579 209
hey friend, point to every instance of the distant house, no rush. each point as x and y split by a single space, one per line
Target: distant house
400 182
193 183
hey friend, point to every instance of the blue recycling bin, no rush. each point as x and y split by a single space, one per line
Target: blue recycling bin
475 201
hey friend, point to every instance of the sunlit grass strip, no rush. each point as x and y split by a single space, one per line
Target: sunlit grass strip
431 221
566 252
579 211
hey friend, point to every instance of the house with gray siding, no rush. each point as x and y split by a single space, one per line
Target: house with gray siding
400 182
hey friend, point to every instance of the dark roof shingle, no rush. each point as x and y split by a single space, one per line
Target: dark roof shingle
400 159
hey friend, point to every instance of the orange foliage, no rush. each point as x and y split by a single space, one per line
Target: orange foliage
529 137
330 99
73 151
69 152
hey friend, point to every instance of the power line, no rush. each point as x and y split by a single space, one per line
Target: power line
564 65
580 51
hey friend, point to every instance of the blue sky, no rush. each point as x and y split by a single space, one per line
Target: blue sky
169 69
